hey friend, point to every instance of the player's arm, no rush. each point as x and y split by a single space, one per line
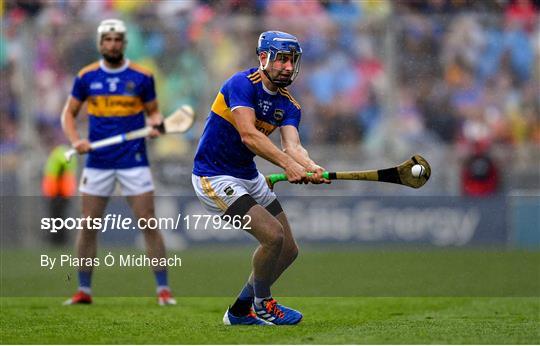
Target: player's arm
153 115
69 113
261 145
290 142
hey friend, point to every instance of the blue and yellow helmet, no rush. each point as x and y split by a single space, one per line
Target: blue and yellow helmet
275 43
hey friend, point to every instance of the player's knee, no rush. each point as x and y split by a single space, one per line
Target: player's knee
87 235
147 220
151 232
275 236
146 214
276 240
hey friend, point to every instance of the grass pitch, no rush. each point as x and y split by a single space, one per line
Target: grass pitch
327 321
347 295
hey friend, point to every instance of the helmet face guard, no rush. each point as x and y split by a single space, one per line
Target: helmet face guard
275 44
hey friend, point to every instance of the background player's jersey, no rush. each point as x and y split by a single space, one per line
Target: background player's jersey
115 105
221 151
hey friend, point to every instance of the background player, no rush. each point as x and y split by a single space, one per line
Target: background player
58 185
119 93
248 108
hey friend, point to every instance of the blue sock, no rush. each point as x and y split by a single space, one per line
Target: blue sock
261 289
85 279
161 278
247 293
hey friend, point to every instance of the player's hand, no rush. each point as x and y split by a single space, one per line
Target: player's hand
154 133
82 146
154 123
296 174
317 177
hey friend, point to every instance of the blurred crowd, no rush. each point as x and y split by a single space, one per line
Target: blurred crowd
446 71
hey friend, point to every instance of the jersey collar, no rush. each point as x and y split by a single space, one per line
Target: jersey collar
113 70
267 90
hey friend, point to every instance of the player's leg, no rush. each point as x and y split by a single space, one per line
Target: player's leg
143 208
267 307
289 250
288 253
96 185
267 198
268 231
228 197
137 186
86 247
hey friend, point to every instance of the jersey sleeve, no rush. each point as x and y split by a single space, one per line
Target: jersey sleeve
148 89
292 117
79 90
239 91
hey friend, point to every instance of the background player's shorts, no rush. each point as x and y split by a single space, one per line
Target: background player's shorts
101 182
217 193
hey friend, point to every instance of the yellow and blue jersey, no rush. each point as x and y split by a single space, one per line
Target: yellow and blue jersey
116 100
221 151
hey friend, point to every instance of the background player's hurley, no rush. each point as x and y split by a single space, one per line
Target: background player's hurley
179 121
402 174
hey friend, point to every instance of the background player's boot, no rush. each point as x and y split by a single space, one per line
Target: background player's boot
165 298
271 311
79 298
250 319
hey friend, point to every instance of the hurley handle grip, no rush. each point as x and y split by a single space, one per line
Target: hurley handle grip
271 179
